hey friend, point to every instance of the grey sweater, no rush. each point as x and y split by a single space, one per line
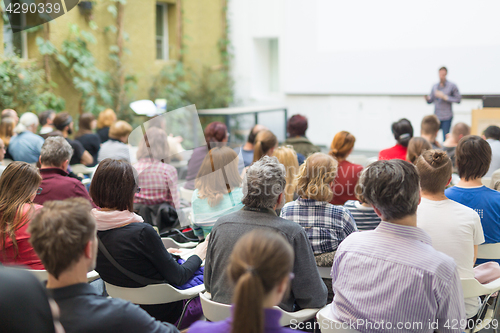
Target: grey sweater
308 290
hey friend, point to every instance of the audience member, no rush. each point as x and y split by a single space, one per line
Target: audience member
263 188
429 129
416 147
348 173
18 187
6 133
247 148
56 184
116 146
9 113
134 245
393 274
64 236
260 269
437 215
86 136
24 306
296 128
46 119
104 121
63 123
26 145
450 144
492 136
218 189
265 143
215 136
363 213
326 225
473 161
3 149
288 157
157 179
403 132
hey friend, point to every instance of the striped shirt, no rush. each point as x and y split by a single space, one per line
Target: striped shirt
365 217
392 276
326 225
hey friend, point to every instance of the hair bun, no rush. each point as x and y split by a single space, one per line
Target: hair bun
438 156
335 150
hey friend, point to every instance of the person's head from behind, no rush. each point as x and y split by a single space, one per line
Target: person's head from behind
297 126
56 152
288 157
342 145
7 129
46 117
218 175
430 126
264 183
63 234
106 118
253 133
154 145
216 134
265 143
64 122
120 130
113 185
492 132
443 71
9 113
434 168
402 131
27 122
260 267
416 147
473 156
392 188
316 177
18 186
86 123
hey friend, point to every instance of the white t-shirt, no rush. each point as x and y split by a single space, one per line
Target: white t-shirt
454 230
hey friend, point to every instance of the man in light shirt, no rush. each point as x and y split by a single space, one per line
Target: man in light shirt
455 229
492 136
391 278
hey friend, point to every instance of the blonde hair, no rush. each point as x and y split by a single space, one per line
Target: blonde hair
106 118
264 141
7 129
315 176
342 144
119 129
288 157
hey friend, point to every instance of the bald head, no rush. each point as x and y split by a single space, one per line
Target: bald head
460 130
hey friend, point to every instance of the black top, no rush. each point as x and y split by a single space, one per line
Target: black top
23 303
78 151
103 134
83 310
92 144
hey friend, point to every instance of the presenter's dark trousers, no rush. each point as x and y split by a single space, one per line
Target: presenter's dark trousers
445 126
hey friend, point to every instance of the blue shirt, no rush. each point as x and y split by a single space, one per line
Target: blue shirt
247 156
26 147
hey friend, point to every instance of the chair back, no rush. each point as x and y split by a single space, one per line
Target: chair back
324 272
42 275
328 325
488 251
169 242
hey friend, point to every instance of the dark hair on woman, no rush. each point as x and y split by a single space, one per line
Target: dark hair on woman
85 124
215 133
403 131
113 185
473 156
260 261
434 168
297 125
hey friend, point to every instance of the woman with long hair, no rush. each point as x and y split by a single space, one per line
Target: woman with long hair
403 132
260 267
218 189
416 147
348 173
135 245
265 143
7 132
18 187
86 136
288 157
104 121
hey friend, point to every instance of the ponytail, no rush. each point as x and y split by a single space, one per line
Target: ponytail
248 315
258 152
264 141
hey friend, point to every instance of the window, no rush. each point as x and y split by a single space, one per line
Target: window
162 31
15 43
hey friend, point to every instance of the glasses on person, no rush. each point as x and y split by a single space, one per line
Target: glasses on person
138 190
39 191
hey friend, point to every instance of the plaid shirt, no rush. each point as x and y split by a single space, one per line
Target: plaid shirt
158 183
326 225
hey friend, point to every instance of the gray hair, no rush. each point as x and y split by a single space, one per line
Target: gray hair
263 183
55 151
27 119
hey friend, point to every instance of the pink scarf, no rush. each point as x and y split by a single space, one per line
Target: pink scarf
107 220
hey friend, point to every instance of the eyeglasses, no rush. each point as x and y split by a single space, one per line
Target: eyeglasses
39 191
138 190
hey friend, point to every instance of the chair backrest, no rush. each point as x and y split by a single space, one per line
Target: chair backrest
328 325
169 242
488 251
42 274
472 288
186 194
324 272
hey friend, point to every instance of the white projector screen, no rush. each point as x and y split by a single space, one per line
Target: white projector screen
390 46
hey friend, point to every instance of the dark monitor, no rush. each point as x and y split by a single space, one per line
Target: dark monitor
491 101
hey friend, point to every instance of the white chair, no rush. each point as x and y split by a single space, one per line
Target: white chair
472 288
488 251
214 311
186 194
169 242
486 181
328 325
324 272
42 274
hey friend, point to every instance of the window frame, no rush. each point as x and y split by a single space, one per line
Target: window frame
164 38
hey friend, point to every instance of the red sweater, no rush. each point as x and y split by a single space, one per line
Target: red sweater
345 182
396 152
